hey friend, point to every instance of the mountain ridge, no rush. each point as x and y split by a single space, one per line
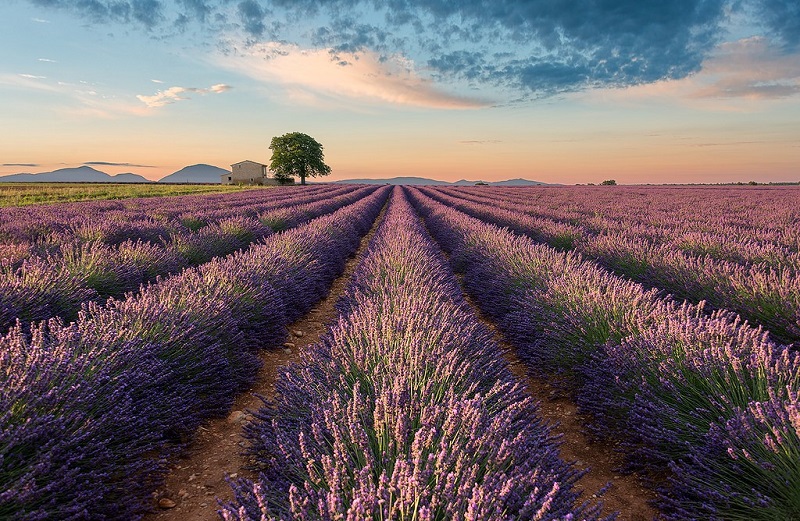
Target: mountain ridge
81 174
198 173
424 181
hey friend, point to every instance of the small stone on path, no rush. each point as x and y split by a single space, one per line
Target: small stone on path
236 417
166 502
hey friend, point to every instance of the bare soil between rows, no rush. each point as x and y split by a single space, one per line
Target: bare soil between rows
198 479
626 494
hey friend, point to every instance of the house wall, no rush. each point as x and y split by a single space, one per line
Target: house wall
248 172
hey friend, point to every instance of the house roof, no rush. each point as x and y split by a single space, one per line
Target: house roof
248 161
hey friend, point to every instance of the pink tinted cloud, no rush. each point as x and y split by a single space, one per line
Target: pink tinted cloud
173 94
737 72
312 75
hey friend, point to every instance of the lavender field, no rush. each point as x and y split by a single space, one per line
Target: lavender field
669 316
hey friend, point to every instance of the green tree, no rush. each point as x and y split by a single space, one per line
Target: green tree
609 182
297 155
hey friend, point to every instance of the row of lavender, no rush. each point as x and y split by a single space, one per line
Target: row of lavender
406 408
149 219
765 295
41 287
708 397
90 411
743 225
729 225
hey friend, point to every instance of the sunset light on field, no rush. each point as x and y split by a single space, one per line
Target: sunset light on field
642 92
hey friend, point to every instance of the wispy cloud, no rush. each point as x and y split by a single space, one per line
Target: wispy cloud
40 20
109 163
29 82
480 141
47 60
174 94
311 75
21 164
157 81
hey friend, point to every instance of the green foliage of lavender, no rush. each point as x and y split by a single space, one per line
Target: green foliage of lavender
704 395
92 410
405 410
721 257
51 274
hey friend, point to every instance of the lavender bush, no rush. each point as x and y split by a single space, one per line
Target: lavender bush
703 394
405 410
90 411
75 272
764 292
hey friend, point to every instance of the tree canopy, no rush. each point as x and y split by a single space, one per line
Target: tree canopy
297 155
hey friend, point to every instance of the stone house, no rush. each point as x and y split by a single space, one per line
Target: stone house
249 173
245 173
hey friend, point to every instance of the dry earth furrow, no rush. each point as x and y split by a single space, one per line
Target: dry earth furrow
198 479
626 494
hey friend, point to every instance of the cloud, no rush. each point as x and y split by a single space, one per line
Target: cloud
782 19
40 21
149 13
200 9
21 164
252 16
220 88
107 163
47 60
157 81
311 75
537 47
530 48
480 141
33 77
173 94
750 69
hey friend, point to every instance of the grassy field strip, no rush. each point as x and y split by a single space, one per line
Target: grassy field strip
22 194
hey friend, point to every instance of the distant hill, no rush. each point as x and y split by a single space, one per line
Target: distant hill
129 178
195 174
82 174
395 181
518 182
418 181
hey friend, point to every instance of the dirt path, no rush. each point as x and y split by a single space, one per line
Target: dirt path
626 495
197 479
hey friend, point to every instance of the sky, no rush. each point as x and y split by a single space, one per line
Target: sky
640 91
